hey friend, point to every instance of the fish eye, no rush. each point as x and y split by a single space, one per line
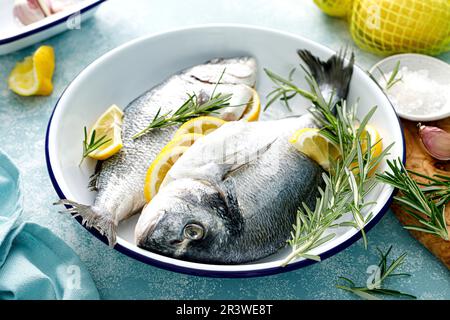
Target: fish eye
193 231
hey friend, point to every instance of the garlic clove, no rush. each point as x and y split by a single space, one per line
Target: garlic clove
46 6
436 141
60 5
28 11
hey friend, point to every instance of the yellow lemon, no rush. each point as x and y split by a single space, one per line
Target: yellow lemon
33 76
392 26
183 140
200 125
375 141
159 168
109 125
313 144
253 109
335 8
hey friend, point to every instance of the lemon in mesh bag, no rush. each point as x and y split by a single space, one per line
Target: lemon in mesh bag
393 26
335 8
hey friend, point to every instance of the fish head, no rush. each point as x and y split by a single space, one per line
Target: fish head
185 221
240 70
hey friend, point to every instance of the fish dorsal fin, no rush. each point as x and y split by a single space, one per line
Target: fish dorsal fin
223 152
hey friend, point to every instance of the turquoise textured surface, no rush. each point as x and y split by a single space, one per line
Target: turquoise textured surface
34 263
23 123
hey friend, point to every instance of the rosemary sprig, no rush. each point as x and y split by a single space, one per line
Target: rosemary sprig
429 215
90 145
383 272
393 78
285 90
348 181
192 108
437 190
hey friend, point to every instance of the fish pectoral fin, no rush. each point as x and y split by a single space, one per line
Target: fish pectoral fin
91 218
93 179
237 160
233 215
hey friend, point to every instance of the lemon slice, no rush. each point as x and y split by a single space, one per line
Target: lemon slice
375 141
316 146
159 168
110 125
183 140
253 109
33 76
200 125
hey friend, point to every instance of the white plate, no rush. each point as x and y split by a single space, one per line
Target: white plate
14 36
438 71
126 72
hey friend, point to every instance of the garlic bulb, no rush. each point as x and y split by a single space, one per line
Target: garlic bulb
60 5
436 141
28 11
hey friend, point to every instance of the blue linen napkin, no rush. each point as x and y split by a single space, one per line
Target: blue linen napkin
34 263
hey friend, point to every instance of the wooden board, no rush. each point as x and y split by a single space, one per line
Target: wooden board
417 159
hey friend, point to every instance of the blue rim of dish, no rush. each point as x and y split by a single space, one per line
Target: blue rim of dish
47 26
228 274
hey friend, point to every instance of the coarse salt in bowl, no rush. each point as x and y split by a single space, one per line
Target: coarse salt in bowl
423 91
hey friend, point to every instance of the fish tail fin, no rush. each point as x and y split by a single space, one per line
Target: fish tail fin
333 76
91 218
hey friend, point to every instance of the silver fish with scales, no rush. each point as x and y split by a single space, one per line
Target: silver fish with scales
120 179
232 197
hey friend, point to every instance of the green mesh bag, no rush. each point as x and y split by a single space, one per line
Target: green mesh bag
395 26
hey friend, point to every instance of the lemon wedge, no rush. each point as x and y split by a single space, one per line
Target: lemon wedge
159 168
319 148
316 146
253 109
200 125
375 141
183 140
33 75
109 125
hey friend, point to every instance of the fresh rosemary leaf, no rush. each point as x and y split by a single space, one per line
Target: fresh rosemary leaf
194 106
427 208
385 271
437 190
90 145
393 78
346 184
285 89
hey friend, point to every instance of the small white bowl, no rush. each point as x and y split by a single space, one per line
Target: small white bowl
14 36
438 71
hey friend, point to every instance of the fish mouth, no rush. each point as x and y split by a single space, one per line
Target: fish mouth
146 226
174 249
